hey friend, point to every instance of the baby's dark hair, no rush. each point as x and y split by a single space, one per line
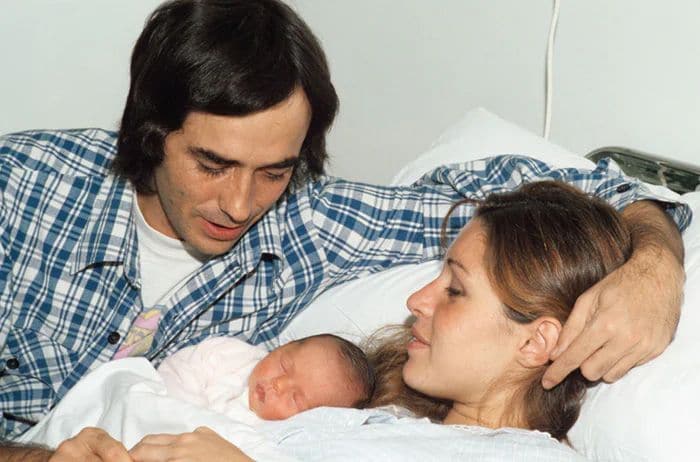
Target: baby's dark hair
362 373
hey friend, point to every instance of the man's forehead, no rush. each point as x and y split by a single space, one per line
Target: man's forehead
249 140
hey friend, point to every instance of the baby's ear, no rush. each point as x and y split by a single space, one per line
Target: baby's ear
541 337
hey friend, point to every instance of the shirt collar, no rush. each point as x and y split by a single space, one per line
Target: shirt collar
109 234
263 238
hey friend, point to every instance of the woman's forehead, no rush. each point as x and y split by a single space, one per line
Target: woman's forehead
469 247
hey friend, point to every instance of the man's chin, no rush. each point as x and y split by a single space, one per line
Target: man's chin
210 248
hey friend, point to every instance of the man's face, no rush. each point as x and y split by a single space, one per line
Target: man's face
220 174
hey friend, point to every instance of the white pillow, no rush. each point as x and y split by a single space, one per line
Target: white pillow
651 414
479 134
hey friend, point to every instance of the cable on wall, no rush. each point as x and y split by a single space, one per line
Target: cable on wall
548 70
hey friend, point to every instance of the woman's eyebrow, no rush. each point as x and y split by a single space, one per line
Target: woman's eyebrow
453 262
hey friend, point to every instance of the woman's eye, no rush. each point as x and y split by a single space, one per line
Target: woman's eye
452 292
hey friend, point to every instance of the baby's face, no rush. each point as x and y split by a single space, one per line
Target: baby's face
298 376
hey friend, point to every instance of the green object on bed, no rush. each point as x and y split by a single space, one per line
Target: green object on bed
677 176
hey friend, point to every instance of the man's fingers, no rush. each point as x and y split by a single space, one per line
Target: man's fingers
585 345
145 452
91 444
621 368
110 450
159 439
606 359
635 357
151 447
205 430
574 326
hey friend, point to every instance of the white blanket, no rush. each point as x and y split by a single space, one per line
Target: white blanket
128 399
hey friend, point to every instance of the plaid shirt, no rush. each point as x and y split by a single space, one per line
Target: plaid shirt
69 272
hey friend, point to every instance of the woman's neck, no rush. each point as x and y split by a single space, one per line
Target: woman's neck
490 416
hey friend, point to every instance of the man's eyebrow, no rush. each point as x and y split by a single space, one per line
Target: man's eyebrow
453 262
286 163
218 159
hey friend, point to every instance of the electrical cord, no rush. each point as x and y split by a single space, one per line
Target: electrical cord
548 70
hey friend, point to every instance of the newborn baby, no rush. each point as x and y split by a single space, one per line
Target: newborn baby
246 383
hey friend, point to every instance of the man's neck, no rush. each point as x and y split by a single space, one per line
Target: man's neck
153 213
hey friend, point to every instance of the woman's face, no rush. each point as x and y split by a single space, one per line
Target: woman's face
461 343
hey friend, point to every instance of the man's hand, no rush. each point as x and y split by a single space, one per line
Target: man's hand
91 445
202 445
630 316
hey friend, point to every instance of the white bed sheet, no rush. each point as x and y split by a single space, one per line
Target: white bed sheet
127 398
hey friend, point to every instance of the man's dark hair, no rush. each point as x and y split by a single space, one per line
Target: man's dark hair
223 57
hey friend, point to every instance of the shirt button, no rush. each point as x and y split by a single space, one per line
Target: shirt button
12 363
113 338
624 188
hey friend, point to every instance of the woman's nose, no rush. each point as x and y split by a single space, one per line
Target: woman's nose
422 302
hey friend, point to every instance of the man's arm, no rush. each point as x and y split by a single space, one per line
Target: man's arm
629 317
16 453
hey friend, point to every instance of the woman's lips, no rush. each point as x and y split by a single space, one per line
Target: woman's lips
222 233
418 341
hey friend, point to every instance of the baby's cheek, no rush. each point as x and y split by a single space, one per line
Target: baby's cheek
271 410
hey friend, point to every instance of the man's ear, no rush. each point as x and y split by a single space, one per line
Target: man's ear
541 336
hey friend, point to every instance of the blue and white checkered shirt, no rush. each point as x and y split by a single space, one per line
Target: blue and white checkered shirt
69 273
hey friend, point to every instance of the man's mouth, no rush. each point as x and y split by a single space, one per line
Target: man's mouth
221 232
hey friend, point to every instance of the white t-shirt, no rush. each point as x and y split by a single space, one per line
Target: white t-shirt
165 263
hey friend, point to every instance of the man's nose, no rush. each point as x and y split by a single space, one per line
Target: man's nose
236 200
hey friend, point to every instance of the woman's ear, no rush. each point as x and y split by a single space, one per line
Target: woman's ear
541 336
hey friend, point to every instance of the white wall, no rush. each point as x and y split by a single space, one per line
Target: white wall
627 72
65 63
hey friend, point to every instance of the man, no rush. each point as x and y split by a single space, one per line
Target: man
209 215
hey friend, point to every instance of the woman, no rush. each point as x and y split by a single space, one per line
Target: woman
484 329
486 326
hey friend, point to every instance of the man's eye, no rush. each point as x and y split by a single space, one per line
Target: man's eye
272 176
211 171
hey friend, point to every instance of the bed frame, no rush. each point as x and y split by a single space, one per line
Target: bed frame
677 176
